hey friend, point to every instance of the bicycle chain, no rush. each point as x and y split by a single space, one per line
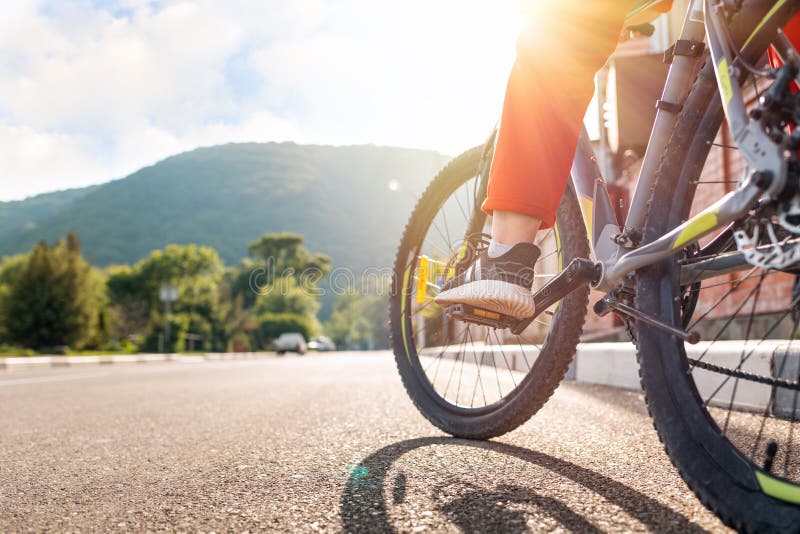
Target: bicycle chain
747 376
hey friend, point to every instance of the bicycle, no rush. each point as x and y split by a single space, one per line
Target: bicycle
662 271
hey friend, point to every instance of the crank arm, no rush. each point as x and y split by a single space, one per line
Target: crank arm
579 272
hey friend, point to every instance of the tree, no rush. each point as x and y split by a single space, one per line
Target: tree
131 312
359 322
196 271
11 269
286 295
276 256
55 298
286 254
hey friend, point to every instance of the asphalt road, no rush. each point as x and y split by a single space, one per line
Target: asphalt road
323 442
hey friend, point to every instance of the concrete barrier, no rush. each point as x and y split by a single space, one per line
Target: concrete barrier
610 364
615 364
25 362
786 366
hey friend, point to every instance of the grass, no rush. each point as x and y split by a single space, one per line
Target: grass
11 351
6 351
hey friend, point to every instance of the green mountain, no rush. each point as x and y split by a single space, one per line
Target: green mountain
25 215
226 196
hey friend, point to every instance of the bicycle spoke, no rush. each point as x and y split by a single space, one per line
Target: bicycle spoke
461 371
478 378
448 243
734 288
522 350
726 282
437 359
505 359
721 145
544 238
752 351
446 226
548 255
420 309
453 368
496 373
755 86
790 437
741 359
461 207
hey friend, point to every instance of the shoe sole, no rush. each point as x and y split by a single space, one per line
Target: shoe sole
492 295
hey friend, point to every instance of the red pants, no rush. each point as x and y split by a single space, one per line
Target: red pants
563 44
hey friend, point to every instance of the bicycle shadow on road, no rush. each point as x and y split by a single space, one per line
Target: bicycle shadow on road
476 509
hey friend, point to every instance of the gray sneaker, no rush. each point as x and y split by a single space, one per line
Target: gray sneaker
501 284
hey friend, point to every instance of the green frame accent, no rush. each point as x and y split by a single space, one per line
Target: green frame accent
779 4
777 488
403 294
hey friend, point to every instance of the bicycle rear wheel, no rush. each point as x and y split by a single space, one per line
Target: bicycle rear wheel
715 412
468 380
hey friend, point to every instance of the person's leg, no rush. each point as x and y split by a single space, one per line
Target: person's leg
510 228
564 43
561 47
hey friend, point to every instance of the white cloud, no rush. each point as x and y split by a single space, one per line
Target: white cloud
112 73
110 89
420 73
33 162
148 144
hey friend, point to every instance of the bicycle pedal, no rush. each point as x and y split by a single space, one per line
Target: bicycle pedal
479 316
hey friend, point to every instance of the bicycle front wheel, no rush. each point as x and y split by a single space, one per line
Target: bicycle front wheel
720 417
472 381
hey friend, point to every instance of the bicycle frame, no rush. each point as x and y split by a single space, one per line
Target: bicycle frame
620 257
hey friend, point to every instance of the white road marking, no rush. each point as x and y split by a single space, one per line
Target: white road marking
40 379
136 369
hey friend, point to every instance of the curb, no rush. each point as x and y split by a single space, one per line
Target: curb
24 362
614 364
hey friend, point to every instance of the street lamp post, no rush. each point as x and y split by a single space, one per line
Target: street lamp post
167 294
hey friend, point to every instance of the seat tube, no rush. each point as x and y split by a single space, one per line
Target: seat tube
676 89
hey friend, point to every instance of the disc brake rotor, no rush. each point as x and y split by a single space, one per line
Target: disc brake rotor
767 245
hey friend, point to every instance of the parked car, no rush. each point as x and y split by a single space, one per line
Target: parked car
322 344
290 342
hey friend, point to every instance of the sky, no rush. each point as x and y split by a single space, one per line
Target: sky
92 90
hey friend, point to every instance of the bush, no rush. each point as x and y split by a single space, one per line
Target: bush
239 342
11 350
128 347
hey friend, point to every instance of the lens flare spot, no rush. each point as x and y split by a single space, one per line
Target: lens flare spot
358 472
